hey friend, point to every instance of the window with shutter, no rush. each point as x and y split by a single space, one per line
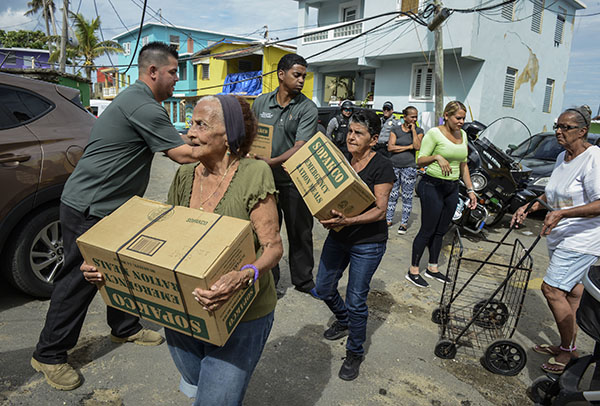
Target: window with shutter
508 10
547 107
349 13
536 17
560 25
422 82
205 71
174 40
508 99
183 71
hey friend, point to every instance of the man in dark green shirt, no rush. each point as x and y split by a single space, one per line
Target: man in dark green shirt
114 167
292 119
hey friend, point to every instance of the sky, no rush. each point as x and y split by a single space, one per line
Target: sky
248 17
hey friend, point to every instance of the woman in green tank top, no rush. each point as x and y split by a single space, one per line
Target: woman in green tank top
444 152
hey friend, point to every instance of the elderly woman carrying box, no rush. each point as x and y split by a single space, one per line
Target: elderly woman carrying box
227 183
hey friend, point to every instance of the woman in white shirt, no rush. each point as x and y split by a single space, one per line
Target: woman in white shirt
572 229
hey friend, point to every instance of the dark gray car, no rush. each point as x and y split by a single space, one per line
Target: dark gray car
539 154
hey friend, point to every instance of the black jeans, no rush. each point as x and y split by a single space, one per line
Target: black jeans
299 224
72 296
438 198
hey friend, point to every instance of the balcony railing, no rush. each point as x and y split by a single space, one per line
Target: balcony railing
335 32
108 92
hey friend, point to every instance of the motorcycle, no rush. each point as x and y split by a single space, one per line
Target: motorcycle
498 179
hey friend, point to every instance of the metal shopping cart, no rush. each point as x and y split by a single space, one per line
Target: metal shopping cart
481 306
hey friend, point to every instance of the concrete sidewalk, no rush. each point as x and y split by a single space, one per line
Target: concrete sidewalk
298 367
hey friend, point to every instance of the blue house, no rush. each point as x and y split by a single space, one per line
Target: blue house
188 41
511 61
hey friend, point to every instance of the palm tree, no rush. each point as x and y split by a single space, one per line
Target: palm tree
48 8
89 46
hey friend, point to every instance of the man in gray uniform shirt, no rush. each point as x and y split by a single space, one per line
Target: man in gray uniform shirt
114 167
292 119
387 122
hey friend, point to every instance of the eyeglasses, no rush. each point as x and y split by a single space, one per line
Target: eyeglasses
387 109
564 127
347 109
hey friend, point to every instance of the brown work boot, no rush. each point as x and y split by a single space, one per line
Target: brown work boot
59 376
142 337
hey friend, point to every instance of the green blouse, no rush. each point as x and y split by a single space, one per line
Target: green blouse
434 143
251 183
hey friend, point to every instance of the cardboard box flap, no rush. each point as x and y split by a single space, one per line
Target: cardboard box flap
195 236
113 234
210 249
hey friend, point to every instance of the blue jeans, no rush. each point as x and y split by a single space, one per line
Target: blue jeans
219 376
364 260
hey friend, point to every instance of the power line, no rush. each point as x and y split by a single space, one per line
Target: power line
118 16
101 33
137 42
479 9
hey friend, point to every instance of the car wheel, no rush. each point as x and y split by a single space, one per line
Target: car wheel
35 255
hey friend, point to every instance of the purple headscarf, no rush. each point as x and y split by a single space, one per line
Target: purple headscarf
234 121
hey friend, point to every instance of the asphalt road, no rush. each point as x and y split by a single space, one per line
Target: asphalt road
299 367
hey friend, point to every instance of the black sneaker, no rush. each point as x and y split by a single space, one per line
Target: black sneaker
417 279
438 276
350 367
336 331
402 229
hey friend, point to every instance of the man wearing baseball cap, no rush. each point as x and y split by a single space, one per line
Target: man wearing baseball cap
387 122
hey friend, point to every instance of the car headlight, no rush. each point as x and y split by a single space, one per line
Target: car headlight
479 181
542 181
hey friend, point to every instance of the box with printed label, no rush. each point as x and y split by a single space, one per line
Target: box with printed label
263 142
154 255
326 180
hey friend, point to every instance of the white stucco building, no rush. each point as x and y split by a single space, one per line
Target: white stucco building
511 61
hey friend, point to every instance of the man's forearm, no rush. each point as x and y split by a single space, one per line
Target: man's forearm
278 160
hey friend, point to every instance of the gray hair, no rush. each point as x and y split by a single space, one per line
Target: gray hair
582 115
217 113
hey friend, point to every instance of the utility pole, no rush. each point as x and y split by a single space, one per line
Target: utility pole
63 37
439 68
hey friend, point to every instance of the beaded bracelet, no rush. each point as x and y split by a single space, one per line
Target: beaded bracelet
250 266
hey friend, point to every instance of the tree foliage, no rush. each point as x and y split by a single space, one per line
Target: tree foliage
23 39
89 46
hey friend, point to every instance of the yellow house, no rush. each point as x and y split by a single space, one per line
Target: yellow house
249 61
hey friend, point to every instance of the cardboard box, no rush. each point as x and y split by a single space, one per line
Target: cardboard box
154 255
263 142
326 180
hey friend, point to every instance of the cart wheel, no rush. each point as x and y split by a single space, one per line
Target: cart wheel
445 349
505 357
494 315
439 317
543 390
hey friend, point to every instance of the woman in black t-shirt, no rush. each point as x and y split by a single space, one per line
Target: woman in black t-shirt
360 243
